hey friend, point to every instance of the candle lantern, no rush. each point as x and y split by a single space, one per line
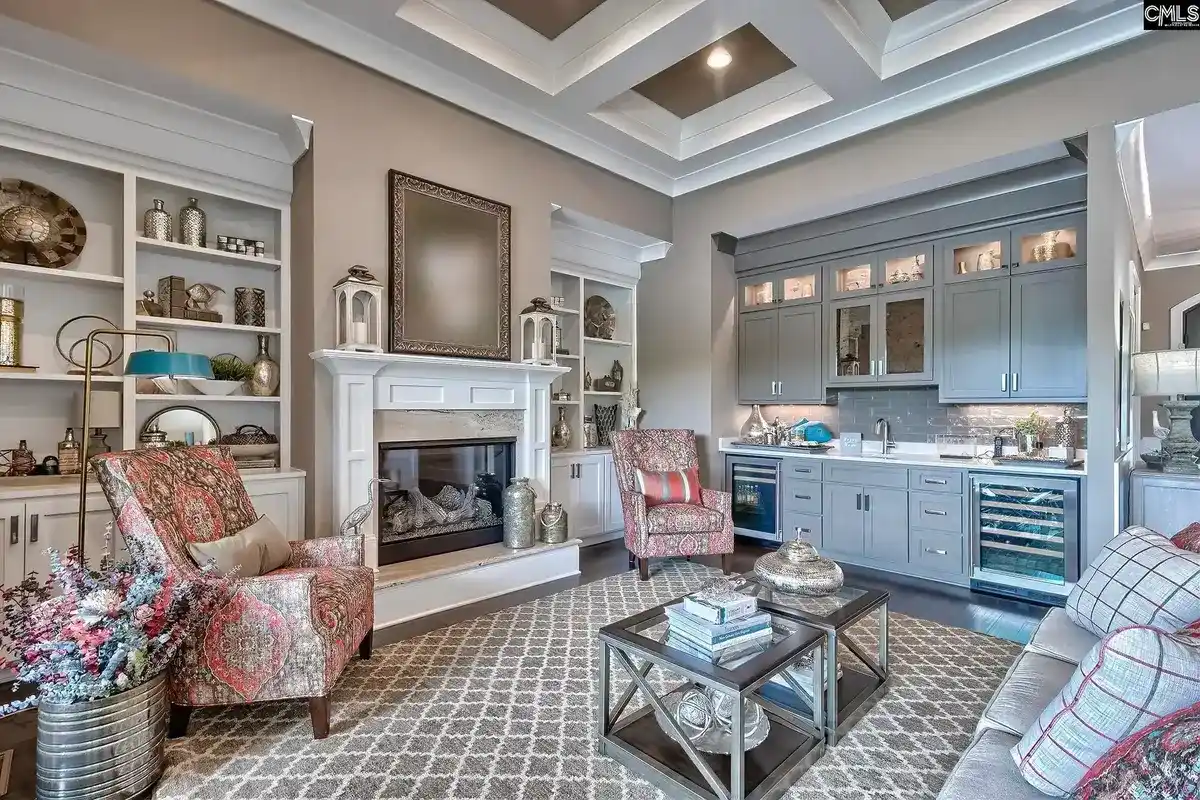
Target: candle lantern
539 333
358 305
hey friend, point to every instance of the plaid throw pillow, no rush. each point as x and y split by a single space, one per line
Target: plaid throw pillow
1128 681
1140 578
669 487
1188 538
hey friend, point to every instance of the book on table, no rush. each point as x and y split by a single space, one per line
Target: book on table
719 606
747 648
713 635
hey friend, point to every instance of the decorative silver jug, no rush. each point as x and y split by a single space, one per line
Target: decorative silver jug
156 223
193 224
560 434
518 501
796 568
554 523
265 381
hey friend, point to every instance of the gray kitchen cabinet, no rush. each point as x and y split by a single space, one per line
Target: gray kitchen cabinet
853 276
1049 335
851 342
1049 243
779 355
883 339
799 355
902 268
758 340
970 256
973 352
845 523
784 287
885 514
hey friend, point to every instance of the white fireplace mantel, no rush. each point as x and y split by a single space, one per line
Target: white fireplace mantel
364 383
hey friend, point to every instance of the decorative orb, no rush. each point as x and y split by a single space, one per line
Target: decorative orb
22 224
694 713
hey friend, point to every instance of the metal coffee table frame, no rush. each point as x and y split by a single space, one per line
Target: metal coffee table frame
638 742
849 698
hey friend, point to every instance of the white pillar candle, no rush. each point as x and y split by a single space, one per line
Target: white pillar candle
358 332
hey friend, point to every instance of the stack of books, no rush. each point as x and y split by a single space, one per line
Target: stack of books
717 625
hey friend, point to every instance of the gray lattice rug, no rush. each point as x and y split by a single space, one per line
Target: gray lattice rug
500 707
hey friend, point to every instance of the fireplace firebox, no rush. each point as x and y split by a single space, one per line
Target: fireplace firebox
441 496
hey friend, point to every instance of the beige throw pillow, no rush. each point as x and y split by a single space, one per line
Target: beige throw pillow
256 550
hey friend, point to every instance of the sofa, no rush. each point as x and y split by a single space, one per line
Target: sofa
1045 665
1049 663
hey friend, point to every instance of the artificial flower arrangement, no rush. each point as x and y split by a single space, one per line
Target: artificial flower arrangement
107 631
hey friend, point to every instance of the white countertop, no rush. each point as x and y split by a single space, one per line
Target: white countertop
907 454
59 485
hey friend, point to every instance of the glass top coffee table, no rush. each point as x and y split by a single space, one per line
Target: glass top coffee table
864 678
738 729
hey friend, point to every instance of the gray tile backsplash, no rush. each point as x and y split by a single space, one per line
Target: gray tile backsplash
917 416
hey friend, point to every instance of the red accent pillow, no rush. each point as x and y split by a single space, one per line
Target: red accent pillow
1188 538
668 487
1157 761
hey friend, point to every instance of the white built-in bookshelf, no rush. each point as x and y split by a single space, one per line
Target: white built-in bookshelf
116 266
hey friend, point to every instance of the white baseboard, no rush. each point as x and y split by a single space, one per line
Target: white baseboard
419 596
588 541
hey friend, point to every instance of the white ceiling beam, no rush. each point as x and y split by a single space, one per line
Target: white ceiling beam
824 40
670 32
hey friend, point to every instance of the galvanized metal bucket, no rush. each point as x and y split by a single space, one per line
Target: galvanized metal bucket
106 748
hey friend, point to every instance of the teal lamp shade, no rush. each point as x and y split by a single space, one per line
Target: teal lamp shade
160 363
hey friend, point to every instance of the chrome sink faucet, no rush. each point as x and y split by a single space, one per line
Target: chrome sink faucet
883 429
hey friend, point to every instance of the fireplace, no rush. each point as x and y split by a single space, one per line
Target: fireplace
442 495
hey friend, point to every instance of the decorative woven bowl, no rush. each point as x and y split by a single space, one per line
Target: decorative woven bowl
797 568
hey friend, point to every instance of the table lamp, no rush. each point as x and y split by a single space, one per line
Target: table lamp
105 413
1173 373
142 364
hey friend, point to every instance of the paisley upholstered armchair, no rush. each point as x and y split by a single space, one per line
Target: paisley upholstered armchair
286 634
666 511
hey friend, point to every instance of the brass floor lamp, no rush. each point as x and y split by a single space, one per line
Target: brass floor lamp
141 364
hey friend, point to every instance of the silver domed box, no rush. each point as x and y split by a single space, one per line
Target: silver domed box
797 568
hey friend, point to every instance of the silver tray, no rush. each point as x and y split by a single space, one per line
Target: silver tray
715 739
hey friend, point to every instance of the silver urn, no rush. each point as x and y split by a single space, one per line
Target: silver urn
518 500
797 568
193 224
265 380
156 223
106 748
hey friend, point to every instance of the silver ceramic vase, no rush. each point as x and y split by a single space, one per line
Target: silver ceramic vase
560 434
796 568
193 224
265 380
519 523
156 223
112 747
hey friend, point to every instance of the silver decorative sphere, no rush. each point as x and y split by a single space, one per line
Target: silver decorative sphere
21 224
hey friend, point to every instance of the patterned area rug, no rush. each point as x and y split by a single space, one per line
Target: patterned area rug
501 707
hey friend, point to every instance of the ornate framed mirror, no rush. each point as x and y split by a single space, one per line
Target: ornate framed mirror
449 277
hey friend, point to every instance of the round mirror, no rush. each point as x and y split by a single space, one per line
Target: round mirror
184 425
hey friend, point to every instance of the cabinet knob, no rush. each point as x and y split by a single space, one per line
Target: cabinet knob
14 524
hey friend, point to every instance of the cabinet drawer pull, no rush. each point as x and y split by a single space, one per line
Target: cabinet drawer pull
866 502
804 530
805 470
858 502
1015 389
933 513
935 551
804 497
1004 381
33 528
14 522
935 481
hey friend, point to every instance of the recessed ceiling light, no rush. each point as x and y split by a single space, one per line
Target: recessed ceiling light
719 58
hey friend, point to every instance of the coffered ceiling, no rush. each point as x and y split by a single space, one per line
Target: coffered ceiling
626 84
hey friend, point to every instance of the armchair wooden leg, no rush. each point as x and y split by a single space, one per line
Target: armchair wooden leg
726 562
177 723
687 558
318 709
632 561
644 568
364 647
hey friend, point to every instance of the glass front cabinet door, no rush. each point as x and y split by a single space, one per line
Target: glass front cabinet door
787 287
1049 243
851 341
977 255
905 268
905 332
756 293
852 277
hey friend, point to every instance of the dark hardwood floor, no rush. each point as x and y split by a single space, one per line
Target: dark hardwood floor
1003 618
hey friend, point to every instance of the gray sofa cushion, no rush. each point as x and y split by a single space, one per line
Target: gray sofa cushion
1033 681
987 770
1059 637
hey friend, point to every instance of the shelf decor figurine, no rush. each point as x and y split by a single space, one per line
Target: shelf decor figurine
265 380
21 461
193 224
358 309
156 222
1174 374
539 333
599 318
37 227
148 306
87 324
631 412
